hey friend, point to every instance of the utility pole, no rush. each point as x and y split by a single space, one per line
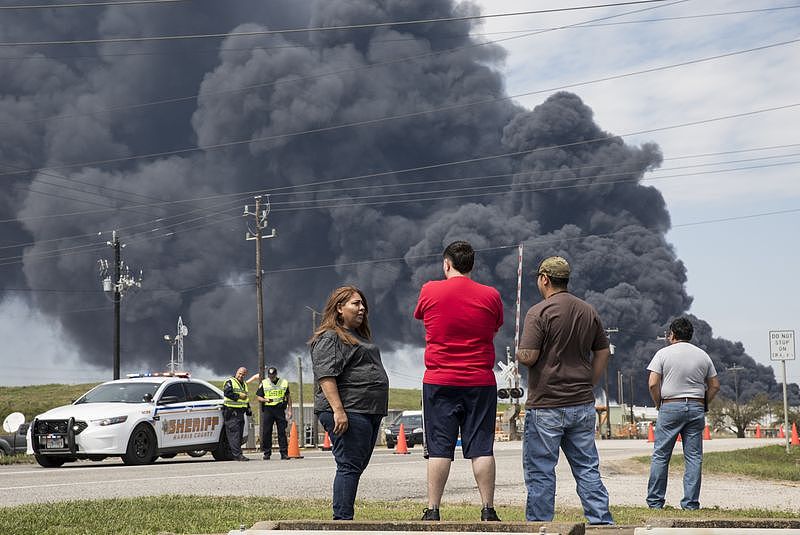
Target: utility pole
620 395
736 369
260 219
314 426
609 332
631 398
117 280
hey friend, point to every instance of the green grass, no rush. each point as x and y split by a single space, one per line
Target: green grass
17 459
220 514
767 462
33 400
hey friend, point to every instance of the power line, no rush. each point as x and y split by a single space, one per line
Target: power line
428 196
539 241
224 35
505 189
194 97
163 222
243 195
25 7
394 61
180 151
217 50
537 149
370 122
532 242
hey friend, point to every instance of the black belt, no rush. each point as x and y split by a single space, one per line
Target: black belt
685 400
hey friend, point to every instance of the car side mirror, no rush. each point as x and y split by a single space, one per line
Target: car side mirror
167 400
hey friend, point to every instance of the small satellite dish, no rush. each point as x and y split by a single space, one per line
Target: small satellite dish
13 421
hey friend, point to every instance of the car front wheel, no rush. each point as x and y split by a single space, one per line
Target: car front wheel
141 446
223 450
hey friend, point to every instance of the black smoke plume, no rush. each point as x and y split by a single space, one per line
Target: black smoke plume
565 187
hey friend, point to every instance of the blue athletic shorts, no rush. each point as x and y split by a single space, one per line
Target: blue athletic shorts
448 409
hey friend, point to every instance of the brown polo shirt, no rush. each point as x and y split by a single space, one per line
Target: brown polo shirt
566 330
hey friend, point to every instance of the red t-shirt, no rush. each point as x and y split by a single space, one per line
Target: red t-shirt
461 318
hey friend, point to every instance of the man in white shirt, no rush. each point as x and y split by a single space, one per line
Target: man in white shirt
682 383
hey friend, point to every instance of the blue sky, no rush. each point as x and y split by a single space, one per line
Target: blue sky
742 273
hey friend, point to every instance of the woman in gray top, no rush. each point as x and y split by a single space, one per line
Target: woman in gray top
351 394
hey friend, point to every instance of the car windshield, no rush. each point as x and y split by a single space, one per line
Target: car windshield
409 422
119 393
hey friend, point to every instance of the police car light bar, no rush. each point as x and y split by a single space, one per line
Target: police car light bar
159 374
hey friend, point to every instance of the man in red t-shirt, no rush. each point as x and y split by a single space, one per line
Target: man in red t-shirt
459 391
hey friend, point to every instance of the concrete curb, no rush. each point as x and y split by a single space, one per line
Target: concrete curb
376 527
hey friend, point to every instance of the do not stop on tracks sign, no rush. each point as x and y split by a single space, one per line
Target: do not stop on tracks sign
781 345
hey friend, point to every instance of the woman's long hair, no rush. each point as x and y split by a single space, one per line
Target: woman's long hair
332 320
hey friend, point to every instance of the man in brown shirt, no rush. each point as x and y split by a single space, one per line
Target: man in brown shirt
566 350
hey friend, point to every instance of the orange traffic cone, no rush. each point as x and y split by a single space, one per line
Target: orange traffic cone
758 430
326 444
651 436
795 440
680 438
402 447
706 433
294 443
780 432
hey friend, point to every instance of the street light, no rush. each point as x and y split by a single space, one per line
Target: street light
171 341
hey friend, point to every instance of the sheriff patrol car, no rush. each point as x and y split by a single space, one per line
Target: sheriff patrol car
139 419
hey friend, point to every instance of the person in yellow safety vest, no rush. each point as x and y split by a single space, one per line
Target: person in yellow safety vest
276 407
235 406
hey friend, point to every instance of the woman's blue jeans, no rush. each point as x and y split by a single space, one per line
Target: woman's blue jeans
352 451
688 419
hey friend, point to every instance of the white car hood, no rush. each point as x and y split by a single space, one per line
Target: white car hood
94 411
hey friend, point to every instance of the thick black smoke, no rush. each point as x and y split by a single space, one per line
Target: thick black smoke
571 188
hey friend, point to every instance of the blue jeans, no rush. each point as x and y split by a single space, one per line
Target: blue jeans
352 451
572 430
687 418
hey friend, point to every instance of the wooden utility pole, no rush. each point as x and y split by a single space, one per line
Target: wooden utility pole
117 299
117 280
260 217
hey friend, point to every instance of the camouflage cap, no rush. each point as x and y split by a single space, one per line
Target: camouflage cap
554 266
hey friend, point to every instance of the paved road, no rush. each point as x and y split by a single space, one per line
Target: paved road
388 477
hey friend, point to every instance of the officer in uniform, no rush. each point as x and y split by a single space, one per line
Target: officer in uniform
236 405
276 406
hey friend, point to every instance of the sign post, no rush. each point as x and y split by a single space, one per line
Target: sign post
781 347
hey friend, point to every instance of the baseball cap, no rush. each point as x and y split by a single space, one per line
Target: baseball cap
272 370
554 266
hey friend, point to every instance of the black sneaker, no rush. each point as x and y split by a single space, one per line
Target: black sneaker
266 456
488 514
430 514
242 458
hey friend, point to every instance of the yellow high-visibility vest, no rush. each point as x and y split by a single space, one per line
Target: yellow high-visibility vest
275 394
238 388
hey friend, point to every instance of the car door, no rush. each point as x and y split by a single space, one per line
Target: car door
174 423
205 406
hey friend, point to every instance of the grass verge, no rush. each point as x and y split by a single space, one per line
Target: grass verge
220 514
17 459
767 462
